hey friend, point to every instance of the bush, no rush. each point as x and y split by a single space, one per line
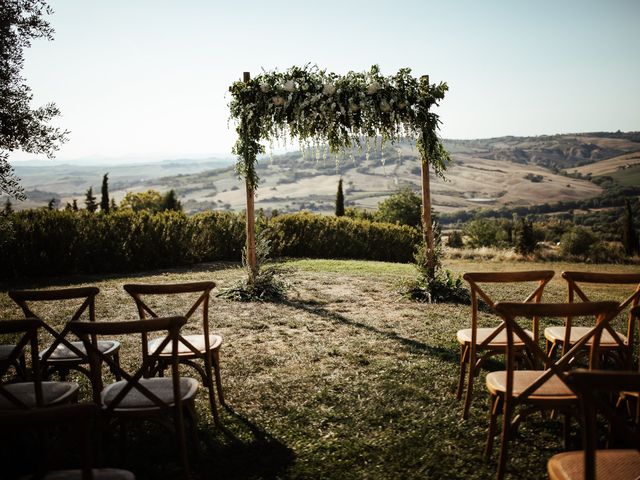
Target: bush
577 241
607 252
403 207
310 235
57 242
455 239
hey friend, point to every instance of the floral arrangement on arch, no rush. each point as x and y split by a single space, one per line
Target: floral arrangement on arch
323 108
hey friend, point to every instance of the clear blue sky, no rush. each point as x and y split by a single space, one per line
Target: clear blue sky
150 78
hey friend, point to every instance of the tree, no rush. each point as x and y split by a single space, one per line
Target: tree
629 234
90 201
170 201
74 205
21 127
150 200
340 200
8 207
52 205
104 199
113 207
455 239
525 241
403 207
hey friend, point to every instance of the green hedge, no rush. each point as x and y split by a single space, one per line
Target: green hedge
309 235
49 242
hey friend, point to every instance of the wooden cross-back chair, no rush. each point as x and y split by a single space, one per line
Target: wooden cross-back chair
136 397
613 343
80 419
193 347
592 463
491 341
534 390
64 353
25 395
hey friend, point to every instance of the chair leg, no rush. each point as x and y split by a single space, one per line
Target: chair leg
494 409
504 441
182 443
115 370
216 368
469 394
209 383
463 369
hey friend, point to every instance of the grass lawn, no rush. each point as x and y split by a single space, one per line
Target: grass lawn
345 380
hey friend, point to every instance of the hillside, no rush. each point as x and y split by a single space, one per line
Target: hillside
505 171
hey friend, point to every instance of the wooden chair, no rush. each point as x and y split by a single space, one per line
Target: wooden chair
631 397
137 397
491 341
533 390
613 343
26 395
202 346
64 354
589 464
81 419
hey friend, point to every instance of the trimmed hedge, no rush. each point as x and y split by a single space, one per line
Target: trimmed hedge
50 242
57 242
309 235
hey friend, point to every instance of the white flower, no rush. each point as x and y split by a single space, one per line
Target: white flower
290 86
373 88
264 87
329 89
278 101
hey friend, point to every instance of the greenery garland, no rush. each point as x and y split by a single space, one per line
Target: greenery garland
327 109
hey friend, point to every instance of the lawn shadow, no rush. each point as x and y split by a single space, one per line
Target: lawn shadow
240 449
74 279
317 309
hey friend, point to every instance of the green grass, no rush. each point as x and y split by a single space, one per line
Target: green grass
345 380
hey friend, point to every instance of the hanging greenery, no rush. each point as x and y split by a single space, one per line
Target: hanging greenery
325 110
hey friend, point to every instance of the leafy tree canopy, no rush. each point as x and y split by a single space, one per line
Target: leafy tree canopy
403 207
21 127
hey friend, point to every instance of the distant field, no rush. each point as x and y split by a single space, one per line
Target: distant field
506 171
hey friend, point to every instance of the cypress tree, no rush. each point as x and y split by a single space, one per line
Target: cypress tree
74 206
629 235
340 200
90 201
8 207
170 201
104 200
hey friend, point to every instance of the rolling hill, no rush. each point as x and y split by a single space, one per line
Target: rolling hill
505 171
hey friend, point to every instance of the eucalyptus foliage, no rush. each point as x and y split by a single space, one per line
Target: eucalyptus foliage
334 113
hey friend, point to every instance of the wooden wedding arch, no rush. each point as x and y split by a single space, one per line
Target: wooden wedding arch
336 112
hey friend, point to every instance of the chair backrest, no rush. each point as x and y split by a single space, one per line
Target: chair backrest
86 297
602 312
588 384
540 277
140 291
25 331
169 325
576 282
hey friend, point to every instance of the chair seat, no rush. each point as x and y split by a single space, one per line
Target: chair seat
5 351
62 353
552 389
464 337
53 393
98 474
556 334
161 387
198 341
610 464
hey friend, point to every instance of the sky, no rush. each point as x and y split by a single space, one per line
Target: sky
148 79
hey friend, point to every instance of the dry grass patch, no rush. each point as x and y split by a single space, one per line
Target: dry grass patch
346 379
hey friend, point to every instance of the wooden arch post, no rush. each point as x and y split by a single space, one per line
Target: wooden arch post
251 259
